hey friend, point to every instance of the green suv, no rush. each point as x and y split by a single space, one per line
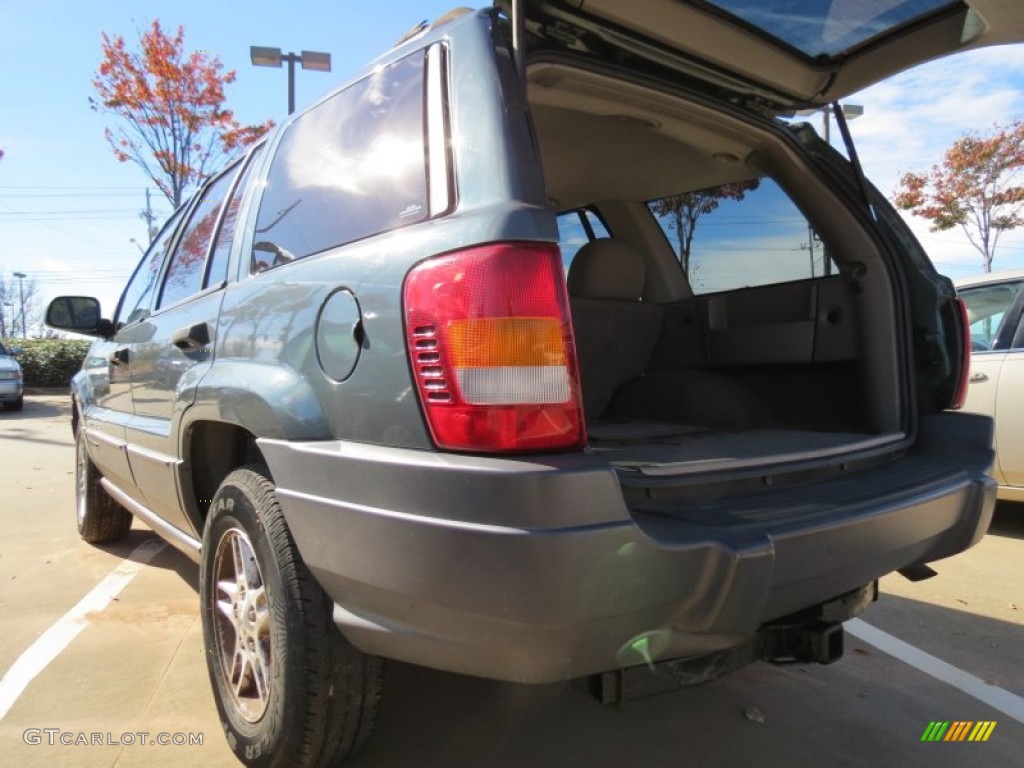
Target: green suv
442 371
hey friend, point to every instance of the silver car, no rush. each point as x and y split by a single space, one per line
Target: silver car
995 311
12 391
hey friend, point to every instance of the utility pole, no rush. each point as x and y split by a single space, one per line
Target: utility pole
21 292
147 216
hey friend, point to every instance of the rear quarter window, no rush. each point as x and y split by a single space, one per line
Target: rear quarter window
740 236
351 167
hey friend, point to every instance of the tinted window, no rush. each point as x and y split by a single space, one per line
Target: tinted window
741 235
218 269
138 295
351 167
576 228
185 273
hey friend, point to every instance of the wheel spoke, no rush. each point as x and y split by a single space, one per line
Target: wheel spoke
225 604
261 613
228 588
238 672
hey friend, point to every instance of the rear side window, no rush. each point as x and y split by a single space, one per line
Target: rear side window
740 236
352 167
217 272
185 272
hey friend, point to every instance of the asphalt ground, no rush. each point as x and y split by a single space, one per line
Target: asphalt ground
130 661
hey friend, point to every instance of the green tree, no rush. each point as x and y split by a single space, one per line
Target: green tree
976 187
169 105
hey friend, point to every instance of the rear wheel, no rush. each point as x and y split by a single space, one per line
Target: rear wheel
290 690
99 517
17 405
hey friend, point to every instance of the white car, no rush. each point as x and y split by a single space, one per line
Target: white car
12 393
995 311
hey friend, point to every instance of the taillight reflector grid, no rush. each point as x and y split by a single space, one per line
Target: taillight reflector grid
491 347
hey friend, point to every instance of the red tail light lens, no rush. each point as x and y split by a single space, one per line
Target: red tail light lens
491 348
960 395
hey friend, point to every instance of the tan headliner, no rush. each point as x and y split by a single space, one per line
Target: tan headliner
601 139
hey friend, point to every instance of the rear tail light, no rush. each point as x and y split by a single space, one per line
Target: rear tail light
491 348
960 395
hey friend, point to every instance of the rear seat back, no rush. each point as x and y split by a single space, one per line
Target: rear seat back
615 330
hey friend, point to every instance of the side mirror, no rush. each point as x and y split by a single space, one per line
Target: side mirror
80 314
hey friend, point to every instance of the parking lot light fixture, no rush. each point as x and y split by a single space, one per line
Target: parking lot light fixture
264 56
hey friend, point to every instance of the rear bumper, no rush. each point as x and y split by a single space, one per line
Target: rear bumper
534 570
10 390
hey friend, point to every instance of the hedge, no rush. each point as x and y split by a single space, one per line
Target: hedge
50 362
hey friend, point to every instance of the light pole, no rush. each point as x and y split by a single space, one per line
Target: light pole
262 56
850 112
21 293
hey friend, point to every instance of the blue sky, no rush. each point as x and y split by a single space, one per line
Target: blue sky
68 209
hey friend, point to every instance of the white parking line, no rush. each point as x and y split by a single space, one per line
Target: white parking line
998 698
54 640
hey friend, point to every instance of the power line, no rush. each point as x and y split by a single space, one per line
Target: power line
71 211
136 187
94 194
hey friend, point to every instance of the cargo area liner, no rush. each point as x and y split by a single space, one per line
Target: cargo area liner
676 383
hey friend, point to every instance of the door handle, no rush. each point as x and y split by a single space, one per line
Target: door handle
193 338
976 377
119 356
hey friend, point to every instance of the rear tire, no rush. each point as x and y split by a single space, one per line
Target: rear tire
100 519
290 690
17 405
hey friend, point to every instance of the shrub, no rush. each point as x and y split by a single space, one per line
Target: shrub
50 362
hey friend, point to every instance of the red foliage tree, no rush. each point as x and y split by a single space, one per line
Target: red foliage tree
173 123
684 210
977 187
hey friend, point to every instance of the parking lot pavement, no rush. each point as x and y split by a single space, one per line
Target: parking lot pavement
136 664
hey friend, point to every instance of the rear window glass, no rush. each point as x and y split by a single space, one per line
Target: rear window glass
740 236
349 168
828 27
